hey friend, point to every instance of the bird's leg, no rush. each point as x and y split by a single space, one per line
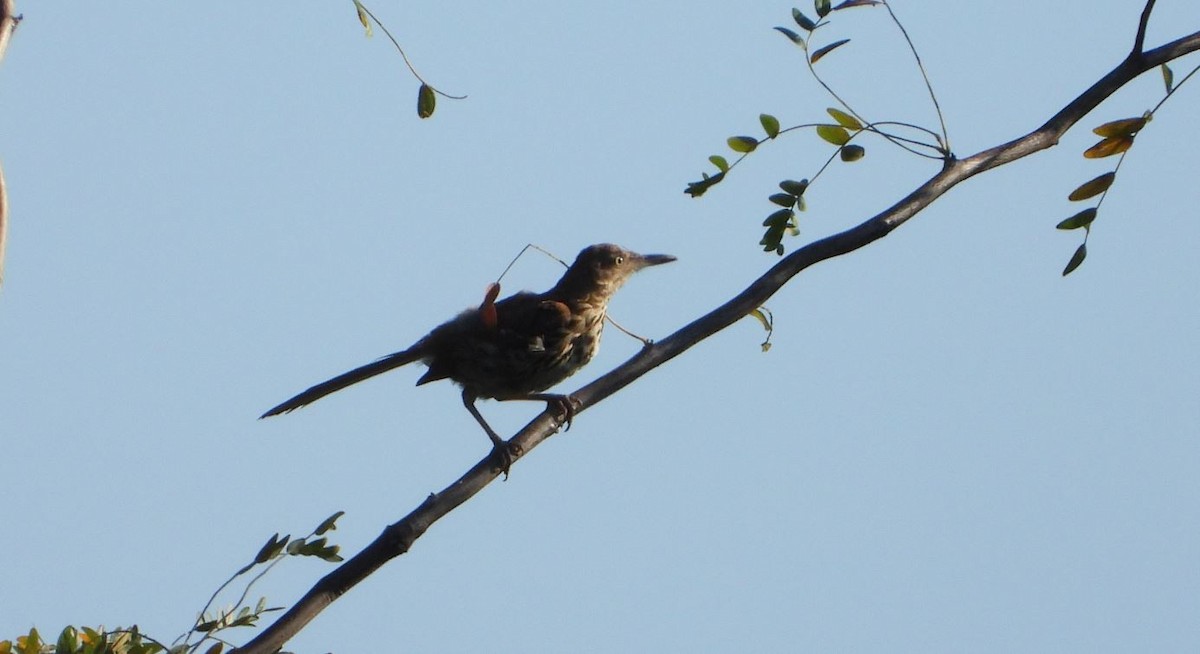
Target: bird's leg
563 406
503 450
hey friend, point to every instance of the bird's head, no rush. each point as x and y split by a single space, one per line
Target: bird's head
603 268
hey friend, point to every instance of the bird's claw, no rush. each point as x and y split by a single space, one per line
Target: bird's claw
564 408
504 453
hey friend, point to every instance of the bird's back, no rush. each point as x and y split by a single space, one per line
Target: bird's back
536 341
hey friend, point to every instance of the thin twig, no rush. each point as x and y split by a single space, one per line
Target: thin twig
404 56
924 75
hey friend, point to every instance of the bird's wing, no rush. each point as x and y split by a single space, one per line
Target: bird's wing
319 391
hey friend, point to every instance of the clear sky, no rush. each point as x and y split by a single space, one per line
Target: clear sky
949 447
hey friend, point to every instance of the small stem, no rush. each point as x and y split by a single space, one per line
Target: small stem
404 56
1175 88
928 85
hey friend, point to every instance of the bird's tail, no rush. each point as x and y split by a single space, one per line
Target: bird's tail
377 367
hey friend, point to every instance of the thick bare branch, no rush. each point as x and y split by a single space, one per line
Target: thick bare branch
397 538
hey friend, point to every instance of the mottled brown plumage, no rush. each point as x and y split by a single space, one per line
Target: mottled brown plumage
530 342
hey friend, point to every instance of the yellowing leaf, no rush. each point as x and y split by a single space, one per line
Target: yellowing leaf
1093 187
835 134
1108 147
762 317
744 144
768 321
821 52
720 162
844 119
362 18
1123 127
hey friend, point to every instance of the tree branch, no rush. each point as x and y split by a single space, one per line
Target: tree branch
397 538
8 23
1139 41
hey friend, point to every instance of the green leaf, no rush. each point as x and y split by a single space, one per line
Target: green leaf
851 153
796 38
1081 219
426 101
217 648
1076 259
844 119
850 4
68 641
362 17
772 240
329 524
835 134
793 187
1093 187
1108 147
271 548
1168 78
1123 127
696 189
330 554
783 199
821 52
770 125
779 218
744 144
803 21
720 162
821 7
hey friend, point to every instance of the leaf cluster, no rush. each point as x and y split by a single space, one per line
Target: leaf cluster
1116 138
846 128
86 640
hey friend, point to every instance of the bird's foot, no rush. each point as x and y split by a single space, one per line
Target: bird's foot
564 408
503 455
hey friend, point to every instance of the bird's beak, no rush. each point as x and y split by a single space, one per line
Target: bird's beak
647 260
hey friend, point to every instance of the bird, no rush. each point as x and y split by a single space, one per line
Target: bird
516 348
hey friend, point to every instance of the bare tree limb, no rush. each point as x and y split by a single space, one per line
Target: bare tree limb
1140 40
397 538
8 23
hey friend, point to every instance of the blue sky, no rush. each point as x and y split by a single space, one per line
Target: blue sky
948 448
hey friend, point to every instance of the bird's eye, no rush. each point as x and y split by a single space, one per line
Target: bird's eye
619 260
